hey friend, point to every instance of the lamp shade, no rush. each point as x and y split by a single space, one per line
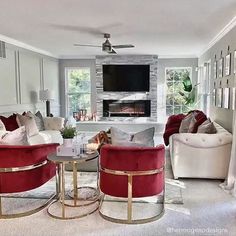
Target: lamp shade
45 95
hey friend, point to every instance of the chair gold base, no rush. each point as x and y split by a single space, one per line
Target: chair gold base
63 217
26 213
130 221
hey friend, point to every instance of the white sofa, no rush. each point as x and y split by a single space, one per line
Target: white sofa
46 136
201 155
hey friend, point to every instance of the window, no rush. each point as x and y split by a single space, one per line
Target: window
78 90
204 87
177 99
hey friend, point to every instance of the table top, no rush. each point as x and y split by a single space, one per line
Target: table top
79 158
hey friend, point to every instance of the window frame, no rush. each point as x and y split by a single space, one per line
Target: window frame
66 71
166 90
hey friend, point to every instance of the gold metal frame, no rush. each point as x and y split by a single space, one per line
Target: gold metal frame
130 175
29 212
61 194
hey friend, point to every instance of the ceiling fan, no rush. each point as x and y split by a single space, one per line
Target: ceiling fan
107 46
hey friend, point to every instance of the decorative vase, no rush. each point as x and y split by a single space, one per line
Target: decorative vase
67 142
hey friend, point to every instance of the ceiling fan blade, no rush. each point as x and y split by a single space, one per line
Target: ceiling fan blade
112 52
123 46
86 45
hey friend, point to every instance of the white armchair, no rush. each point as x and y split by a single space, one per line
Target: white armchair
201 155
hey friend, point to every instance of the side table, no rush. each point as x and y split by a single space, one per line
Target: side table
74 160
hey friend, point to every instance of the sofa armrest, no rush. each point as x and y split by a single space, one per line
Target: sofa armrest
53 123
203 140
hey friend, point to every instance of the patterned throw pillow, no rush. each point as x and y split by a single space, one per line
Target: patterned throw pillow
16 137
28 121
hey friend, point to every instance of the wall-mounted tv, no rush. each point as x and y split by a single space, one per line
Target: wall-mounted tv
124 78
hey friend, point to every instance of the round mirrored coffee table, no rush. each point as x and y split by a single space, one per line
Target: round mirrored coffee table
84 196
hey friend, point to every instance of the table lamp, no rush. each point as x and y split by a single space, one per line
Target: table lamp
46 95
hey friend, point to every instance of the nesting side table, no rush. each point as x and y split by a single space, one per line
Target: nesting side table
60 183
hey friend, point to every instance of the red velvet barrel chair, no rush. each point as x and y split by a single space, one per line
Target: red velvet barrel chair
132 172
23 168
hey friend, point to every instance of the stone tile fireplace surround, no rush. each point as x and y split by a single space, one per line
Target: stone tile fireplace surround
133 113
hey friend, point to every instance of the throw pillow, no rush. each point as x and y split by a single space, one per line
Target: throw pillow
9 122
145 137
16 137
207 127
130 144
118 136
2 126
39 120
185 124
29 122
53 123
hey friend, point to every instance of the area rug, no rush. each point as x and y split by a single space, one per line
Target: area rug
173 192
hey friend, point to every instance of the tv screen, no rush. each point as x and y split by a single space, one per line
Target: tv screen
124 78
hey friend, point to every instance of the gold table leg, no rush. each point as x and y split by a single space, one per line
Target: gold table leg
129 210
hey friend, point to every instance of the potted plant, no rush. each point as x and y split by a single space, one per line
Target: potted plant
68 133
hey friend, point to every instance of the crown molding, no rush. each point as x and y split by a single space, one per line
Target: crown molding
220 35
74 57
177 56
25 46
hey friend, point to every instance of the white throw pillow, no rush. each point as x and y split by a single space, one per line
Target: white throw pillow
16 137
2 126
53 123
118 136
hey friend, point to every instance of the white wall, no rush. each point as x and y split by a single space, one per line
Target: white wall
221 115
22 74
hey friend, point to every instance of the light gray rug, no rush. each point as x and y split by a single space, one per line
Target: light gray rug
173 192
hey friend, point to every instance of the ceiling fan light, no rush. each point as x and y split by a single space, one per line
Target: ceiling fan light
106 46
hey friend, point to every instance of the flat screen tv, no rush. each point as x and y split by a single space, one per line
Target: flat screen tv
124 78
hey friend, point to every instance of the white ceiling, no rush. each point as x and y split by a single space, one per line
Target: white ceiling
163 27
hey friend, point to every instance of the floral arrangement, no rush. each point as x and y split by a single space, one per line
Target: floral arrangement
68 132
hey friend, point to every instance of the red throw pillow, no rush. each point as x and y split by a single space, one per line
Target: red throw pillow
10 122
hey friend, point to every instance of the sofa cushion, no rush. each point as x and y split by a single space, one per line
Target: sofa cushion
10 122
28 121
53 123
207 127
145 137
15 137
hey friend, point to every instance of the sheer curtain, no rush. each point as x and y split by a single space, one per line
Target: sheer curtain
230 183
